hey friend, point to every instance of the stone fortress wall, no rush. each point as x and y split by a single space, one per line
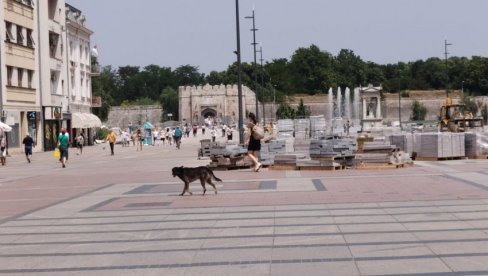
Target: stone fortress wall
218 101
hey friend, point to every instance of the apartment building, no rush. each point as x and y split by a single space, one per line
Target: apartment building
45 68
80 73
20 94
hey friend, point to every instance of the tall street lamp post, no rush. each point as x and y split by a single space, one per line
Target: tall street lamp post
255 63
262 83
239 81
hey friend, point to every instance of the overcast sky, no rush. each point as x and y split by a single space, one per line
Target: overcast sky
202 32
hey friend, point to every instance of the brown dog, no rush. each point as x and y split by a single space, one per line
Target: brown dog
188 175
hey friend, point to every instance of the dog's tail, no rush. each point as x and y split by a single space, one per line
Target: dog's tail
214 177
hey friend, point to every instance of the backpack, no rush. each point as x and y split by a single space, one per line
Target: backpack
257 133
177 132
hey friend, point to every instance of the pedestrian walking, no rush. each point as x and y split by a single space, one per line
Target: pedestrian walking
80 141
111 138
213 134
195 129
140 139
253 144
229 133
203 130
3 148
63 144
28 144
177 136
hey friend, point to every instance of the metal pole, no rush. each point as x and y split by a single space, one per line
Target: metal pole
239 81
447 73
262 83
274 103
399 98
255 62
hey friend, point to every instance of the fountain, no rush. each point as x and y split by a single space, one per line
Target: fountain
356 102
347 104
330 103
339 102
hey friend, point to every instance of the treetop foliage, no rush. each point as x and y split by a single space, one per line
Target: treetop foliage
310 70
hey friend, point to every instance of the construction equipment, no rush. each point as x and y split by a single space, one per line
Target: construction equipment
456 118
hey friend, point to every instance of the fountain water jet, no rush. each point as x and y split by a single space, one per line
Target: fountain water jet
339 102
330 103
347 104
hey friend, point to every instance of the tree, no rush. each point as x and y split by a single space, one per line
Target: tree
419 111
470 104
309 70
169 103
302 110
188 75
285 111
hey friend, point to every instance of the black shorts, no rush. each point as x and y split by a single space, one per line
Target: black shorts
28 150
63 152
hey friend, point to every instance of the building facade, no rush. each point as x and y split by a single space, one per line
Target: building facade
196 103
19 97
45 82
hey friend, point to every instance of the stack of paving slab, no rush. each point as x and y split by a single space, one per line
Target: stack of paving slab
270 149
403 142
476 144
228 156
302 128
317 127
301 146
285 160
377 152
439 145
285 128
332 148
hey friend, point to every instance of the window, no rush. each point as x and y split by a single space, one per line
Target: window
30 39
20 77
8 31
20 35
81 52
30 76
10 71
53 44
28 3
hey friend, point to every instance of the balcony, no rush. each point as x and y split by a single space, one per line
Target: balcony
95 71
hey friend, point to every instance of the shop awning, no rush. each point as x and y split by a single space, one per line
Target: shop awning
85 120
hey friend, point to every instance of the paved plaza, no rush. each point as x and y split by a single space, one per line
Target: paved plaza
121 215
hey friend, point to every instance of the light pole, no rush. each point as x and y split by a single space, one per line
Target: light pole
255 67
274 102
262 83
399 97
239 81
447 73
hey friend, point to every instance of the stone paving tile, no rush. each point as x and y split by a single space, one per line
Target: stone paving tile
460 247
235 270
442 225
468 263
250 241
364 219
306 229
404 266
208 256
380 237
453 235
109 260
241 232
306 220
338 269
309 240
372 227
243 223
365 251
301 253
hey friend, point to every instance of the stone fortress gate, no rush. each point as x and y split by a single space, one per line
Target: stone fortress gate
196 103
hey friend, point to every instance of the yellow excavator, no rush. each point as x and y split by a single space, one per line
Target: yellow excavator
455 118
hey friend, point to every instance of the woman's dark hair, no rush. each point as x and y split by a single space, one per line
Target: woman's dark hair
252 117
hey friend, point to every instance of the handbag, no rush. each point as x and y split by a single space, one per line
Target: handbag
57 153
257 132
